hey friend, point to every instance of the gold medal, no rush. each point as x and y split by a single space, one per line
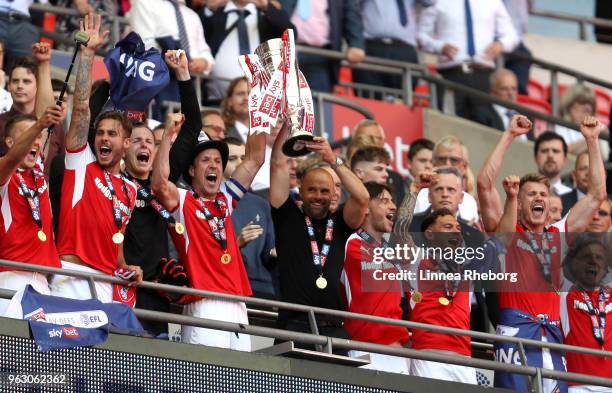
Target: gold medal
41 236
226 258
179 228
118 238
443 301
321 282
417 296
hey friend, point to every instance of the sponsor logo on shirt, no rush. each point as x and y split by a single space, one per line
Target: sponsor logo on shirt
106 192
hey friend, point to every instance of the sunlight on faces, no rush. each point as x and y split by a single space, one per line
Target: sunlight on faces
316 193
550 159
141 152
381 212
444 232
555 210
589 265
239 100
450 156
505 87
446 193
374 131
35 150
213 125
235 158
22 86
371 171
335 201
579 110
533 204
581 173
601 221
207 173
421 162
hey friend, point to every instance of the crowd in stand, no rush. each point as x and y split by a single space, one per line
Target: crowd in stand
199 201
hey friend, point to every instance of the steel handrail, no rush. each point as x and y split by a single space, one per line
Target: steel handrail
581 20
306 309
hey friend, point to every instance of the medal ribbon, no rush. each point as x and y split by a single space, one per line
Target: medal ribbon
598 315
117 216
32 197
319 259
146 195
450 294
368 238
543 254
217 225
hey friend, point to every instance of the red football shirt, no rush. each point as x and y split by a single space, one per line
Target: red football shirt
429 310
531 293
199 250
87 225
18 239
578 330
366 296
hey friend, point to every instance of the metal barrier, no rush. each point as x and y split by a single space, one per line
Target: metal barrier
582 21
328 343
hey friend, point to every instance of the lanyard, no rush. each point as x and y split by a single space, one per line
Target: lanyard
116 210
370 239
32 197
452 291
543 254
598 315
145 194
319 259
217 224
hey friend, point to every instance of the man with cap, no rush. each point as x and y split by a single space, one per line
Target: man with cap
208 247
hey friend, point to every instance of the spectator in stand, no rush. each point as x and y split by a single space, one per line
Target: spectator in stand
310 241
90 170
214 261
550 153
170 24
556 207
370 164
576 103
235 109
213 124
390 33
449 151
468 36
602 220
324 24
374 129
519 13
253 221
504 85
30 88
364 295
235 28
580 176
5 97
16 29
420 158
26 234
526 212
587 267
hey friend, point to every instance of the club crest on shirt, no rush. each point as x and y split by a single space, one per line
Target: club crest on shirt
106 192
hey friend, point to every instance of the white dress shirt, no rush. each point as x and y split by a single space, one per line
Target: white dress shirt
468 209
262 178
19 6
153 19
444 23
226 60
560 188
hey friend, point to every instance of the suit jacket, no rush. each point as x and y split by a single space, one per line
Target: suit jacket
345 22
396 182
488 116
568 200
271 23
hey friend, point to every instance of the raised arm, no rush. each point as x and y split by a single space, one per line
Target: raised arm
356 205
401 228
44 91
279 171
509 218
79 123
255 155
164 190
582 213
488 197
21 145
190 107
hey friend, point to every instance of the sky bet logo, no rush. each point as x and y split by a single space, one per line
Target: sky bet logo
65 332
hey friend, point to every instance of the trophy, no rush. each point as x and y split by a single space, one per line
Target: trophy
279 91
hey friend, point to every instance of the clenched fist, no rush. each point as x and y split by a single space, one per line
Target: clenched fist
591 127
41 51
519 125
424 180
511 186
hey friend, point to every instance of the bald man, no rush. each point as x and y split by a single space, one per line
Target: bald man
504 85
310 241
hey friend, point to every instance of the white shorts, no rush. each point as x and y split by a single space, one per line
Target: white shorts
589 389
16 280
381 362
443 371
220 310
78 288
